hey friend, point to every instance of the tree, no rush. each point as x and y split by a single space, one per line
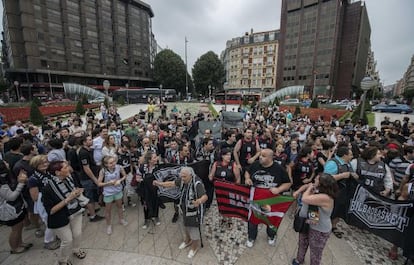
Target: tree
84 99
314 104
79 108
37 101
208 71
35 115
170 71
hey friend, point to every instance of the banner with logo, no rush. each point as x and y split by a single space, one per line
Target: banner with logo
386 218
170 172
214 126
232 119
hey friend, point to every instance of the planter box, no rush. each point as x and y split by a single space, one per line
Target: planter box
314 114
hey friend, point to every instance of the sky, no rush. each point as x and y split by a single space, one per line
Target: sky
208 24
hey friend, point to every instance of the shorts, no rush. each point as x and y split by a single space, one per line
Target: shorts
91 190
14 222
113 197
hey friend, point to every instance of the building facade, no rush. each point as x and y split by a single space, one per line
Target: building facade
408 79
55 41
323 46
250 61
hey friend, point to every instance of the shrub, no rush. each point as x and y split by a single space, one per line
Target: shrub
106 102
35 115
357 112
84 100
80 110
314 104
297 111
36 101
121 101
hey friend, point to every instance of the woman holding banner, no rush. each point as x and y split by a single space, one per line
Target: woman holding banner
318 203
226 170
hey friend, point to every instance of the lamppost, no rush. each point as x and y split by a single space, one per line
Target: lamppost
127 92
50 82
366 84
106 86
161 93
16 84
209 92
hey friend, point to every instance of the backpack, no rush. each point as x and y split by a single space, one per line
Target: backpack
7 211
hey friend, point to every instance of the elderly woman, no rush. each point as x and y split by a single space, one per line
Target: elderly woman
318 203
193 195
62 201
36 183
13 196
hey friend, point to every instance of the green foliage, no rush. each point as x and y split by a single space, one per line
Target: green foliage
170 71
106 102
79 108
35 115
254 102
409 94
245 101
84 99
3 85
276 102
357 112
121 101
314 104
297 111
36 101
208 71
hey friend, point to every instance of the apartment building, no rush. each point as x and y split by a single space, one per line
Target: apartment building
250 61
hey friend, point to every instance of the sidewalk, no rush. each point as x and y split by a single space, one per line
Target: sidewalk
159 244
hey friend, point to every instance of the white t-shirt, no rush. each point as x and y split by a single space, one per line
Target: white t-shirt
97 150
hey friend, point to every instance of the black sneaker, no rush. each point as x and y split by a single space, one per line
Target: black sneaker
175 217
97 218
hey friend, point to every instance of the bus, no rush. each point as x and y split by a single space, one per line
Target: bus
143 95
236 98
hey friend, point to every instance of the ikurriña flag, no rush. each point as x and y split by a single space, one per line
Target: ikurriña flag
254 204
268 208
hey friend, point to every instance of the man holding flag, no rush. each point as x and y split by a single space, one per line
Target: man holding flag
266 174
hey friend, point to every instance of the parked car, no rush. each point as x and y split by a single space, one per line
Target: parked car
97 100
394 108
290 101
344 103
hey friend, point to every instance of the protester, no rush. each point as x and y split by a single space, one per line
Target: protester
318 202
193 196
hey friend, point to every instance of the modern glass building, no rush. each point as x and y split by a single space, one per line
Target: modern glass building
49 42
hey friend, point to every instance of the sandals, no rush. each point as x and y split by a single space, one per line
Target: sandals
81 254
337 233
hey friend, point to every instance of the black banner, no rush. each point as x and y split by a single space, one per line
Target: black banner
384 217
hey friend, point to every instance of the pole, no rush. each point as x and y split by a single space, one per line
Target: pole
186 78
361 114
50 82
28 85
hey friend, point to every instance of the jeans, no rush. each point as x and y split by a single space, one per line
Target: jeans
70 236
252 231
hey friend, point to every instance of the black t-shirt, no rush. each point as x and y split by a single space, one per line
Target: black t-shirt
85 159
268 177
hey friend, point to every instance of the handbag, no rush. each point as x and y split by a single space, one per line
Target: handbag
299 223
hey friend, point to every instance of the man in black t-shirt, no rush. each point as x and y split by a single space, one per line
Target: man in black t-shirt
267 174
89 171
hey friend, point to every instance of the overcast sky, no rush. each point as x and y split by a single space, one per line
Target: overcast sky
208 24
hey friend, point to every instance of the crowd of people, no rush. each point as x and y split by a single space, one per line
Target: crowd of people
50 178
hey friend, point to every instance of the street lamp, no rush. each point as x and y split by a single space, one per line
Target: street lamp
161 94
366 84
16 84
106 86
209 92
50 82
127 92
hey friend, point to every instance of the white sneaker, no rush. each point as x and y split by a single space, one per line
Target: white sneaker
109 230
192 253
156 220
249 243
184 245
146 223
271 241
123 222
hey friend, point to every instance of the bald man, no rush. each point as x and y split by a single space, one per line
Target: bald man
267 174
